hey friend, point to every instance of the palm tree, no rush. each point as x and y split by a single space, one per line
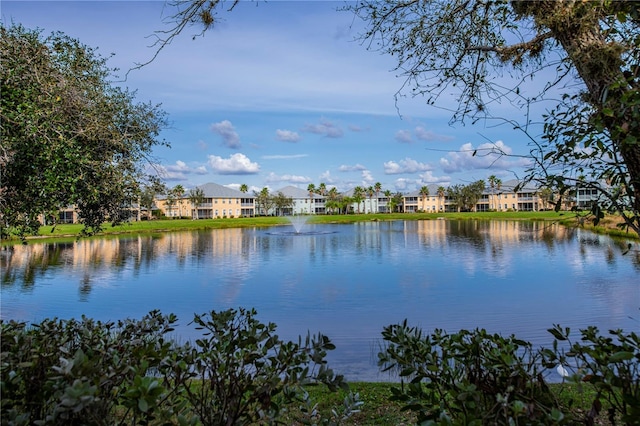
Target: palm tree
312 190
196 196
424 191
377 187
387 194
244 188
322 189
498 183
492 184
332 202
178 191
358 196
441 193
370 192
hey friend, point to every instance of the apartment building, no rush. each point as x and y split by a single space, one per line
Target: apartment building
303 203
218 202
505 198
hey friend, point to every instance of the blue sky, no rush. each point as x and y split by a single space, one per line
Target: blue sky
280 93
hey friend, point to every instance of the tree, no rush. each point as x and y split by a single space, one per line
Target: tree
68 137
148 194
358 196
370 192
466 196
441 193
170 202
424 193
244 188
178 191
333 201
395 202
196 197
312 190
492 184
545 194
387 194
484 51
264 201
282 202
322 189
377 188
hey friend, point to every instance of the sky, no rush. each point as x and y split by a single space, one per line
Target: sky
280 93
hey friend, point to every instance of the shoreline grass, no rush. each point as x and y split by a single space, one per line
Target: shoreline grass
71 232
378 409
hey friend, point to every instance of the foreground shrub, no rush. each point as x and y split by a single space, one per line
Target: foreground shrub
90 372
477 378
611 365
80 372
470 377
246 373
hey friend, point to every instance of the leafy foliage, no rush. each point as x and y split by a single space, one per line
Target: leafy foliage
611 365
68 136
484 52
470 377
473 377
88 372
466 196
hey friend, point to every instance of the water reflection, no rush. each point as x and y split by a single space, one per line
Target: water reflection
347 281
469 243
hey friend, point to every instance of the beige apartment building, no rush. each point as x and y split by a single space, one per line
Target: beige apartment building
218 202
505 198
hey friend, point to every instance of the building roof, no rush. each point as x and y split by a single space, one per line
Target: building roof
510 185
296 193
213 190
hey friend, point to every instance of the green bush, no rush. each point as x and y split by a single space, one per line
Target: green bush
611 365
70 372
470 377
477 378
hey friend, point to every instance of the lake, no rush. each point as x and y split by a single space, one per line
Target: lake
347 281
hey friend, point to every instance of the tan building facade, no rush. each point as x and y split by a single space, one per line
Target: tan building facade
218 202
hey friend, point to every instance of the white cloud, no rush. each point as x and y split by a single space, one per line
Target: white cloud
367 178
274 178
287 136
402 184
356 128
178 171
427 178
284 157
403 136
327 178
228 133
325 128
408 165
236 164
488 155
354 168
427 135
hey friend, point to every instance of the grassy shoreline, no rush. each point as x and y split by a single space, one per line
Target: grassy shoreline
378 409
71 232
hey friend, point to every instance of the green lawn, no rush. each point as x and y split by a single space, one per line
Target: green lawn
378 410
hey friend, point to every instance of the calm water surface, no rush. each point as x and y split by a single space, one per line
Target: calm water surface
347 281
